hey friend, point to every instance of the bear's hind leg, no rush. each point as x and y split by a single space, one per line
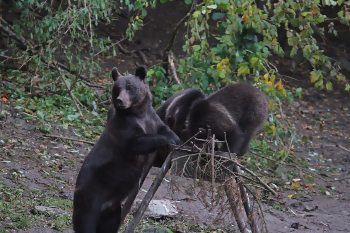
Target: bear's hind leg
84 219
109 220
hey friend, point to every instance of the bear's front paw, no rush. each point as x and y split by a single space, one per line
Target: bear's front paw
174 140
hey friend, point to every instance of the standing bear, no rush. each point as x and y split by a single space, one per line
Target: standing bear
114 165
237 110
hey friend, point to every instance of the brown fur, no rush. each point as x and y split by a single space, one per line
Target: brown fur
114 165
237 110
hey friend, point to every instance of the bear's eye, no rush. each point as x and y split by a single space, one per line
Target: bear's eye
128 87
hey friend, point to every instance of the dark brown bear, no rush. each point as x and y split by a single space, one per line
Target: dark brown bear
114 165
237 110
174 111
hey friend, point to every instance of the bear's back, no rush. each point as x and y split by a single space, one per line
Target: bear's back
242 100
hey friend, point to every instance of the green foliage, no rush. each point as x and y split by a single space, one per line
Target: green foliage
55 106
16 207
232 40
227 41
170 226
160 85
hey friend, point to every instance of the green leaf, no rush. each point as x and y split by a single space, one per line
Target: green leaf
298 92
254 61
218 15
347 87
243 69
319 84
40 114
213 7
73 117
196 14
329 2
315 75
196 48
329 86
150 72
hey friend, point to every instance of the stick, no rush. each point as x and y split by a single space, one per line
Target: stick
212 161
110 46
233 196
72 97
251 173
342 147
143 57
174 34
6 27
172 66
149 195
246 203
68 138
221 156
245 198
131 197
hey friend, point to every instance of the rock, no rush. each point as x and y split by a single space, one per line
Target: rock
48 210
161 208
295 225
308 208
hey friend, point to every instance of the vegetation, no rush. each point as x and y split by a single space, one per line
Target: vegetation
52 51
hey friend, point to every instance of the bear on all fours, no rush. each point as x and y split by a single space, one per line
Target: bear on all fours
114 165
175 110
233 113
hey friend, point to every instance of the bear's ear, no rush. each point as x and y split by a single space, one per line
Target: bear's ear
141 72
115 73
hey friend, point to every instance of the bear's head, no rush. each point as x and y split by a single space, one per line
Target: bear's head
130 92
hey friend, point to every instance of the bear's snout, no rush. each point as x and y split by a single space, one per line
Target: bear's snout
123 100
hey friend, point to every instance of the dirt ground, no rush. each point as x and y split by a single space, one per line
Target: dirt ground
37 170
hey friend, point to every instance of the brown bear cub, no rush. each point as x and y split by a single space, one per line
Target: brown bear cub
174 111
114 165
237 110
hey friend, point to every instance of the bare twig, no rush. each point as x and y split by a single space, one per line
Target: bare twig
172 66
143 56
108 47
233 195
222 156
72 96
213 160
149 195
245 198
173 37
246 203
6 27
131 197
122 49
253 174
260 209
68 138
343 148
